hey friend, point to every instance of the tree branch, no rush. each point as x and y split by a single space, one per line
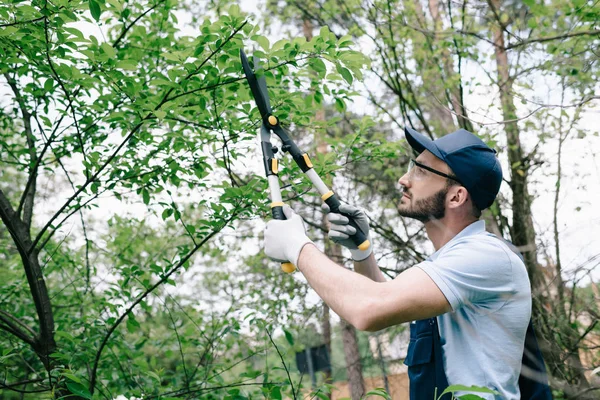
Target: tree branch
282 362
141 297
44 343
12 386
135 21
25 333
64 88
22 22
552 38
26 203
89 180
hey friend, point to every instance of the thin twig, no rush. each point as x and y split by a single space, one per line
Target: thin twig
282 362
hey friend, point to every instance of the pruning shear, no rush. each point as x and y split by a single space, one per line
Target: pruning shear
270 123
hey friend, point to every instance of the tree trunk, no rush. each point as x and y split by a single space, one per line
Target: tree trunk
353 363
326 326
563 358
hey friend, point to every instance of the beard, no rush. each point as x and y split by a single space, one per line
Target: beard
428 209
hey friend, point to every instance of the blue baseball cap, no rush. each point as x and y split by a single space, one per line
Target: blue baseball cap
473 162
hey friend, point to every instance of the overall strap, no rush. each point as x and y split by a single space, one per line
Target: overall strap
533 381
440 374
425 361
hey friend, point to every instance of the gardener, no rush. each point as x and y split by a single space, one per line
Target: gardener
474 284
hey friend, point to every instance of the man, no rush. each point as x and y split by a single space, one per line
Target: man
474 284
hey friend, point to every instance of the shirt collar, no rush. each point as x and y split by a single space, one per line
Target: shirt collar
470 230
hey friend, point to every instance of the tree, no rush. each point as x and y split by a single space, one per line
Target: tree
137 113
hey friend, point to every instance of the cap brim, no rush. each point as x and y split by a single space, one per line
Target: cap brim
420 142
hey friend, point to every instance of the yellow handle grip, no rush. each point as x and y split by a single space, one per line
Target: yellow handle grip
288 267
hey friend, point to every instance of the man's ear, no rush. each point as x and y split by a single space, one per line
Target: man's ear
458 196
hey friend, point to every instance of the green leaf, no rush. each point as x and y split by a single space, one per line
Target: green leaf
279 44
132 324
234 11
167 212
49 84
79 389
276 393
380 392
263 42
171 56
289 337
95 9
65 335
346 74
108 50
532 23
472 389
318 65
145 196
153 375
9 30
340 105
129 65
71 377
162 82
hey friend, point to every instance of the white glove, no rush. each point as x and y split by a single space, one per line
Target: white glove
340 230
285 239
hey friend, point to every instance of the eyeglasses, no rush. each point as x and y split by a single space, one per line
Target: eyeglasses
419 172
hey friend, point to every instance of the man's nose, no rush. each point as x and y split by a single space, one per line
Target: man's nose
404 181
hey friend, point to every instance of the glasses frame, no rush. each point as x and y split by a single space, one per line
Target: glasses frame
413 162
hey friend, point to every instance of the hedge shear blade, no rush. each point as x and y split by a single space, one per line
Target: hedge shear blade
258 86
270 124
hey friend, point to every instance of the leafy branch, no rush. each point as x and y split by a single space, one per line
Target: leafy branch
148 291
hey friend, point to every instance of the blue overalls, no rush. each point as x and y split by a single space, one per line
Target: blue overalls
424 360
426 367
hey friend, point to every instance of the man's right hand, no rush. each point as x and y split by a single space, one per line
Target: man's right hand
340 229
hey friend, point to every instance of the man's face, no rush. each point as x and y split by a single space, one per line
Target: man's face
424 193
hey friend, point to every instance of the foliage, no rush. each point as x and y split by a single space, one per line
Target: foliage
114 104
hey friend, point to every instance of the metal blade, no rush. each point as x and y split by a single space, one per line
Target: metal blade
261 96
262 83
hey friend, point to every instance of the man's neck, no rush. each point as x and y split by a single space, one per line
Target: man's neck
441 231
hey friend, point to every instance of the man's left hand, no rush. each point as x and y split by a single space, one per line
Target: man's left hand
285 239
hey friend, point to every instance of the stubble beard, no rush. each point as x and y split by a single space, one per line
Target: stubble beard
425 210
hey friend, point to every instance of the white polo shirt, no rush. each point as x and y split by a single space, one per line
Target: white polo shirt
488 288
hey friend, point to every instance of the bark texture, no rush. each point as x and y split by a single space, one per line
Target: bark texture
353 363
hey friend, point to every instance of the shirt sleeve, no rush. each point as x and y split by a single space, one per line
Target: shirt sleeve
472 272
